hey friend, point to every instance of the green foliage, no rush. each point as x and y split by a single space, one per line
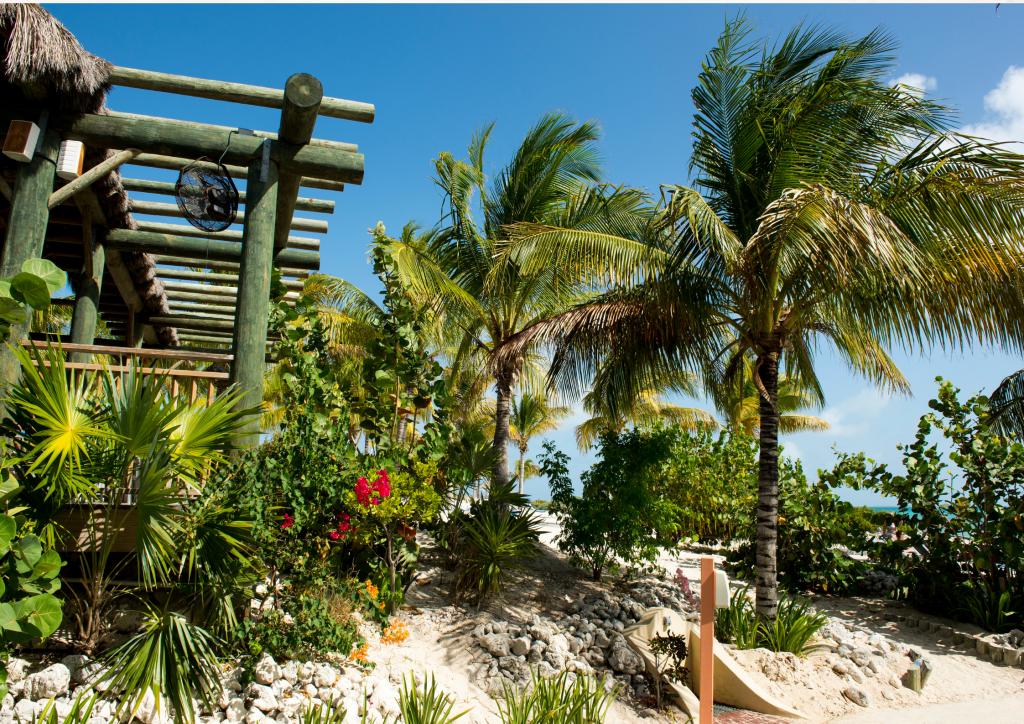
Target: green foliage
28 608
429 706
81 709
992 610
737 623
171 657
792 628
669 661
321 624
713 482
497 542
540 504
623 513
965 522
30 289
555 701
813 524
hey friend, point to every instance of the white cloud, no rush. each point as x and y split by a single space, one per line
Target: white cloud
1005 104
791 450
916 83
854 415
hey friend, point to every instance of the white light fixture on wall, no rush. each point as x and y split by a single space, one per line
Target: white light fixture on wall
21 140
70 160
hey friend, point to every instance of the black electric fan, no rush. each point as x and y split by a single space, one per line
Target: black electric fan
206 195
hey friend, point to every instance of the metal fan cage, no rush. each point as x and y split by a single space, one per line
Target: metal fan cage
206 195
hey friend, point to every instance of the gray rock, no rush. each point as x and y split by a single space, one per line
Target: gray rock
542 632
856 674
546 670
51 681
555 658
499 627
496 644
601 640
235 711
520 646
844 650
858 696
267 671
624 660
877 664
861 655
17 670
841 667
575 645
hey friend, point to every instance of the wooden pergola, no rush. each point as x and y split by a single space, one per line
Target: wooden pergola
69 222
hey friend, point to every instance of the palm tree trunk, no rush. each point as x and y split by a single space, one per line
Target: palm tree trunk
503 411
768 490
522 467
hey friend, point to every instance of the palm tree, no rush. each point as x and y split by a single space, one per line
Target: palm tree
487 299
828 209
739 404
531 416
645 409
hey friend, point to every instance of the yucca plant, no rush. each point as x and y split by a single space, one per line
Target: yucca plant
990 609
555 701
793 627
81 709
497 543
323 713
170 657
737 624
429 706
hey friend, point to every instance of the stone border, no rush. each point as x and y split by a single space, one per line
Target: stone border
996 653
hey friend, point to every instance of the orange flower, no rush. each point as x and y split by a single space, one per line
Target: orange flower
372 590
396 633
360 653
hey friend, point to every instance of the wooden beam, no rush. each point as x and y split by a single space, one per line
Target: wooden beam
171 140
5 189
199 251
87 297
91 176
190 307
250 332
183 321
153 208
302 97
185 274
294 242
222 265
233 93
337 145
202 374
205 338
26 232
319 206
174 163
177 353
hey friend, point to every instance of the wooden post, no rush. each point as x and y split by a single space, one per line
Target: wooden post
253 304
136 331
707 640
87 298
302 96
26 230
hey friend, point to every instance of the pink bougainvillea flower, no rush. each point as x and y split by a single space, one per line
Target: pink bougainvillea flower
344 516
362 491
288 521
335 535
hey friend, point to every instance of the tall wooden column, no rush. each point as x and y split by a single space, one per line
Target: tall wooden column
253 301
27 230
87 296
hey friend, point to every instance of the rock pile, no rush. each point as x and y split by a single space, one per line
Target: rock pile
1014 639
278 693
879 583
858 655
589 641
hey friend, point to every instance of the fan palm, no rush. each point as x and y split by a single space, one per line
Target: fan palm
530 416
485 299
828 209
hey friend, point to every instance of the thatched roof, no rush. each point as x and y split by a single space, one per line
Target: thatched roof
44 61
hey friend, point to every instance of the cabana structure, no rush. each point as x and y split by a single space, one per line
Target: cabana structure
158 285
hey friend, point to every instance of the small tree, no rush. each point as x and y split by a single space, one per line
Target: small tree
622 513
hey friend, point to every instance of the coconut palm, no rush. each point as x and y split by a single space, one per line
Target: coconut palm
487 299
739 404
530 416
645 409
828 209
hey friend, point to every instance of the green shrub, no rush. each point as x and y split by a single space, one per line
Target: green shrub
813 525
430 706
622 513
540 504
992 610
737 624
965 526
554 701
794 626
497 542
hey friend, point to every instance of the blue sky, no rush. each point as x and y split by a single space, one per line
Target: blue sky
435 73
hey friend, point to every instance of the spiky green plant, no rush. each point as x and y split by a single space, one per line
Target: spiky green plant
429 706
